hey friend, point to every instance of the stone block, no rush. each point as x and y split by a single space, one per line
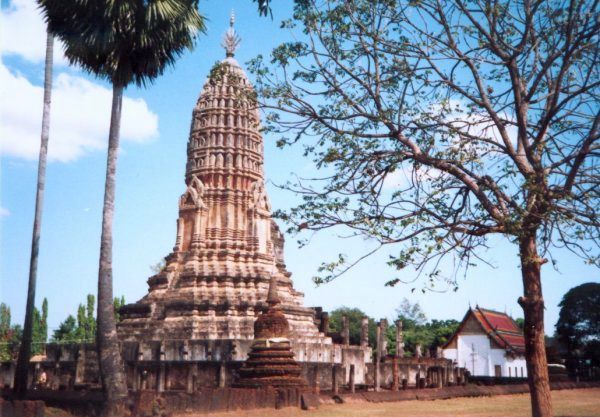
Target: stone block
25 409
309 401
6 408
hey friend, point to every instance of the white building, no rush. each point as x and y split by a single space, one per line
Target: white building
488 343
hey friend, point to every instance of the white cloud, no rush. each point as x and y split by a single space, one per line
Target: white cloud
4 212
79 118
23 33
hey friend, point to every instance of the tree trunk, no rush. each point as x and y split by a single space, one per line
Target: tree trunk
533 307
22 371
111 364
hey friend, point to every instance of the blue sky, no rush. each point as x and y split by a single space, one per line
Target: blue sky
150 180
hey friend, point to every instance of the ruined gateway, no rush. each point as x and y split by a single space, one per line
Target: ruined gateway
201 307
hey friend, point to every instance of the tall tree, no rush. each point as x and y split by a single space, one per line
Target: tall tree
40 329
124 42
440 124
4 319
83 328
90 322
22 370
578 324
10 335
411 314
67 331
117 304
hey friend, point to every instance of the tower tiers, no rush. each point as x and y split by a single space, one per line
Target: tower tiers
215 281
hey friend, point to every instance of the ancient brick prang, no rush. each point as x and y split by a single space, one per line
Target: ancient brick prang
215 281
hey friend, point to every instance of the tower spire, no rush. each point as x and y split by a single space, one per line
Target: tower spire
231 40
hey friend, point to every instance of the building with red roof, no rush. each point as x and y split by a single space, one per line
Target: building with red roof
488 343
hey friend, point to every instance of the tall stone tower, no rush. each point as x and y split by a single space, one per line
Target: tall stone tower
216 280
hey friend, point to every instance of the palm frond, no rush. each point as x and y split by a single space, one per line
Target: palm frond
124 41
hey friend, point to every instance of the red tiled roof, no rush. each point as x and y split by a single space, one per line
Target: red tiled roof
498 326
502 328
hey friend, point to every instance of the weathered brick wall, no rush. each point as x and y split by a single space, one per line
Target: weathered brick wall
207 400
21 408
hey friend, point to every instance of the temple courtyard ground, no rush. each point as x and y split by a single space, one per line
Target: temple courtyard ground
567 403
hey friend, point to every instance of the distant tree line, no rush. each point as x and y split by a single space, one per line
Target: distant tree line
83 328
418 330
71 330
576 341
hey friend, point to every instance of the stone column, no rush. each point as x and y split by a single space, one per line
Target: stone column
80 365
345 331
377 357
135 385
197 226
399 339
446 378
395 375
222 375
179 239
351 379
335 383
162 371
324 323
418 351
185 350
161 377
189 386
364 332
384 325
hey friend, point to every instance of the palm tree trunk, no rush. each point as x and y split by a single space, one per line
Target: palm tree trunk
22 371
533 308
111 364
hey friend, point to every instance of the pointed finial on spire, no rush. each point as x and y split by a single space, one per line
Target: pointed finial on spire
231 40
272 296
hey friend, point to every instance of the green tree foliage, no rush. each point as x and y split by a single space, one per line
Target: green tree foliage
578 325
429 335
40 329
355 316
418 330
416 327
67 331
90 322
4 319
411 314
82 328
436 125
118 303
10 335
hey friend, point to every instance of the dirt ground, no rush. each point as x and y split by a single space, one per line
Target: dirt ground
567 403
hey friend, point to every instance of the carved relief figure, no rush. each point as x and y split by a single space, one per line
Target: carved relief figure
194 193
